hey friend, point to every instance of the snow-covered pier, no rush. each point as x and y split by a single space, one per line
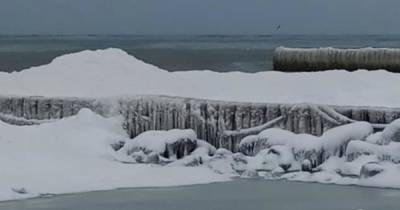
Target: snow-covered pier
223 124
315 59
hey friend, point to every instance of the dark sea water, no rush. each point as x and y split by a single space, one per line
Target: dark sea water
236 195
177 53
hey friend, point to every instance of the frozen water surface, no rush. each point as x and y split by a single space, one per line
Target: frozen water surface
235 195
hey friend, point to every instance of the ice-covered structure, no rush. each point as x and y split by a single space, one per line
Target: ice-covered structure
172 144
223 124
120 84
315 59
389 152
287 139
307 147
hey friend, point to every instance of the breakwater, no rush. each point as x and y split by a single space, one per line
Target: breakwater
221 123
316 59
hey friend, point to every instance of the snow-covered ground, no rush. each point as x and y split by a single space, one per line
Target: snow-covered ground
113 72
85 153
74 155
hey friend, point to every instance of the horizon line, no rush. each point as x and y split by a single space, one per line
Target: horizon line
126 34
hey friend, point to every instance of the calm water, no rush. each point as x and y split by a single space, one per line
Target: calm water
236 195
218 53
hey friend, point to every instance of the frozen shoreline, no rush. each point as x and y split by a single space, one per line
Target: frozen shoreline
75 154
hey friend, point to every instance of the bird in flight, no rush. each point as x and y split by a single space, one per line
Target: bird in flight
278 27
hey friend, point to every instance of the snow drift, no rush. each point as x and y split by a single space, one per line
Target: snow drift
112 72
78 153
75 154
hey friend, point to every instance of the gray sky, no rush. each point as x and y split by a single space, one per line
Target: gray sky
199 16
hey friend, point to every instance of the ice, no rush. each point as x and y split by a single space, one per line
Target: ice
308 147
80 151
391 132
389 152
371 169
335 140
174 143
251 145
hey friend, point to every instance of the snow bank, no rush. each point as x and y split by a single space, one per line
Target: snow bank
74 154
113 72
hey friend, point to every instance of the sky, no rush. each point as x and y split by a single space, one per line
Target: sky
199 16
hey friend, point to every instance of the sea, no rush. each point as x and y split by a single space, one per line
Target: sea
221 53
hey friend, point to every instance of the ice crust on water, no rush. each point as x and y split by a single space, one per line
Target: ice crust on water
113 72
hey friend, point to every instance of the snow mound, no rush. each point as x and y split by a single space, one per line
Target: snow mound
174 143
113 72
75 154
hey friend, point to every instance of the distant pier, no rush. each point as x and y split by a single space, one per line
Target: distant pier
317 59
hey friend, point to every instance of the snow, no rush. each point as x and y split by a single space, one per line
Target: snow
112 72
77 153
304 146
391 132
335 140
389 152
157 141
74 155
347 155
277 136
